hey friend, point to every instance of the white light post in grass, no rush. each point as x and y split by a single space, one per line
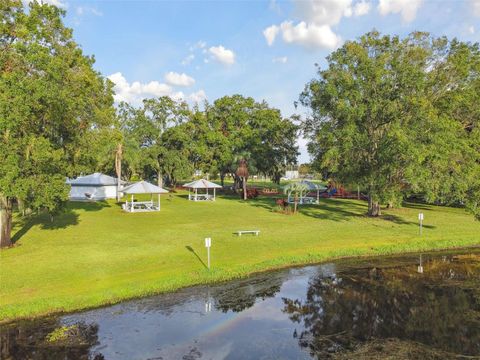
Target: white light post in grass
208 244
420 222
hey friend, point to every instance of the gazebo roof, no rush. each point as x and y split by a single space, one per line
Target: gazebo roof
312 186
143 187
95 179
202 184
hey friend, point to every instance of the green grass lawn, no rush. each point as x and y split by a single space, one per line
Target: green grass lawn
96 254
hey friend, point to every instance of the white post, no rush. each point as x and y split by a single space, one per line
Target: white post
420 266
420 219
158 201
196 194
189 194
208 244
213 194
131 206
318 196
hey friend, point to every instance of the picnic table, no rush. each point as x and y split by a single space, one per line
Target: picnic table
200 197
138 206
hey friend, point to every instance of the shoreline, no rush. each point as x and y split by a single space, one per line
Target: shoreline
256 269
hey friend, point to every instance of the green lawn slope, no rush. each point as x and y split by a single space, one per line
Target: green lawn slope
96 254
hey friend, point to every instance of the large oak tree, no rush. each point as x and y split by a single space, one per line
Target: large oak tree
399 116
52 105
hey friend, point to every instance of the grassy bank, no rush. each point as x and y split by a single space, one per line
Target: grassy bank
95 254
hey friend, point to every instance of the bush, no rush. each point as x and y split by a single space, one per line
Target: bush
252 193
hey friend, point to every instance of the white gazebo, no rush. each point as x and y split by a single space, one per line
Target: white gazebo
201 184
142 187
311 186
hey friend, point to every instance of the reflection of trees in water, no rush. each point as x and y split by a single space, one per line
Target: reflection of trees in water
29 340
242 294
436 308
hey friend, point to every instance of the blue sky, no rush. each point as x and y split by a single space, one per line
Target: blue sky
264 49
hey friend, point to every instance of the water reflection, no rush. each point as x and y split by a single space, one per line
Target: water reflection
439 307
351 309
34 340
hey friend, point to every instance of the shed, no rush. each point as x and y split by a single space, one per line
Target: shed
96 186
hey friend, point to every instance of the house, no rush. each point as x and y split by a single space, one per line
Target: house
291 174
96 186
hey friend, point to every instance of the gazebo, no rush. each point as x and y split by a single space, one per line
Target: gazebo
142 187
201 184
311 186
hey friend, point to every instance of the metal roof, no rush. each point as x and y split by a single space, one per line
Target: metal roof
312 186
143 187
202 184
95 179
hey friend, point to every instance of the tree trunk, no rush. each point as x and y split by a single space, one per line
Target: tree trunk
236 182
222 178
244 181
276 179
5 222
373 207
160 179
295 202
118 168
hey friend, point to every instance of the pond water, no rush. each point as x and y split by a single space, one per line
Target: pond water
366 308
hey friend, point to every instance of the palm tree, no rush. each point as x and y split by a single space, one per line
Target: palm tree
297 189
242 173
118 167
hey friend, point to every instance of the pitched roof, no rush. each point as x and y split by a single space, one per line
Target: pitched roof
202 184
143 187
312 186
95 179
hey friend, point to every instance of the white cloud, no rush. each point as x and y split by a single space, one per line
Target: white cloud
188 59
82 10
135 92
316 19
198 96
270 34
476 7
406 8
177 79
361 8
198 45
309 35
471 29
281 59
323 12
223 55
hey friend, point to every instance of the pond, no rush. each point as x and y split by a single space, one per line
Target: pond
376 308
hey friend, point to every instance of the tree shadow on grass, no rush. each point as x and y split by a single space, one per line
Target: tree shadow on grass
418 206
334 209
189 248
66 218
328 209
401 221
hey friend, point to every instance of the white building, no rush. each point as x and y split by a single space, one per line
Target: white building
291 174
96 186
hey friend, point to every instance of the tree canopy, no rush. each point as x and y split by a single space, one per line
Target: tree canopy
52 104
174 140
399 117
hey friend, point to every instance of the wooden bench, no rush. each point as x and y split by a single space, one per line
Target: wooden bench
240 232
